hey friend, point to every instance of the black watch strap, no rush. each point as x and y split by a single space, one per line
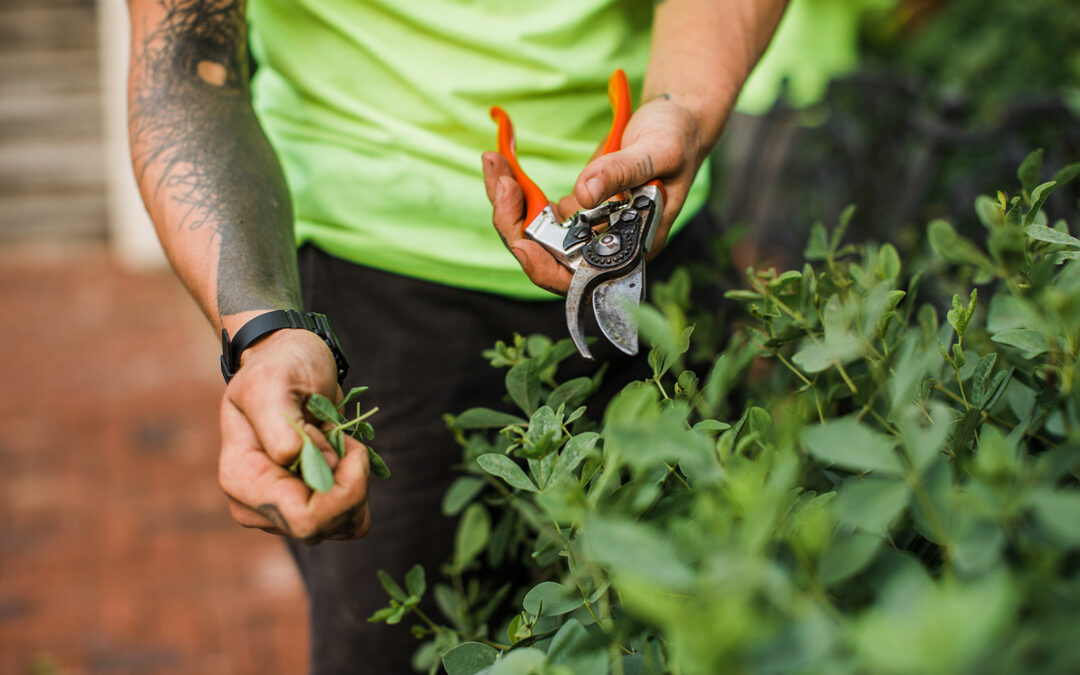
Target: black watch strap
264 324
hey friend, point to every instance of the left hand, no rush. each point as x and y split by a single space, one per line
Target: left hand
662 140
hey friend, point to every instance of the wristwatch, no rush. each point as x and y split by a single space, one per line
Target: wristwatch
264 324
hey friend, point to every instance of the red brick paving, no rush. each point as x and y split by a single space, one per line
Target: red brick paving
117 554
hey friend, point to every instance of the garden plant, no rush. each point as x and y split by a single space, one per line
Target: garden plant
856 480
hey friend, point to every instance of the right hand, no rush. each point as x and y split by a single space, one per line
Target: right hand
258 442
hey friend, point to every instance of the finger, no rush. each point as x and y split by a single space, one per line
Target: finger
253 480
248 517
567 206
543 269
508 212
495 167
274 411
608 175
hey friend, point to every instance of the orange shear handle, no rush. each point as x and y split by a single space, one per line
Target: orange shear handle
535 200
621 107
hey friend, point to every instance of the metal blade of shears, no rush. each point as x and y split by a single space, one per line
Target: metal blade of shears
611 303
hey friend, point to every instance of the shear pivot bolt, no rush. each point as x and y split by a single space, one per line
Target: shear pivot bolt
641 202
628 216
607 245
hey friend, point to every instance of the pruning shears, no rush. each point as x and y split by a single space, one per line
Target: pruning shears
605 246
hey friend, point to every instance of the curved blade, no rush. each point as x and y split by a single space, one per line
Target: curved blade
580 286
611 302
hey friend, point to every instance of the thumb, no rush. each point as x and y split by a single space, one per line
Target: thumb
608 175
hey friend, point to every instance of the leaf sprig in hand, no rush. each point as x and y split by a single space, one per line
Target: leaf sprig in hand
311 464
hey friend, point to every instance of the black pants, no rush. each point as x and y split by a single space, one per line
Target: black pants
417 346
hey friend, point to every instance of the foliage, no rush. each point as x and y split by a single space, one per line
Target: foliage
851 485
310 463
996 60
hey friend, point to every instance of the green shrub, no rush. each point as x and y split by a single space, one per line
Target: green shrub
852 485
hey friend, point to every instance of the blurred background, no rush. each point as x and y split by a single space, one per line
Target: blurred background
116 551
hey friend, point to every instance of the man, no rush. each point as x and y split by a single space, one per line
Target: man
377 111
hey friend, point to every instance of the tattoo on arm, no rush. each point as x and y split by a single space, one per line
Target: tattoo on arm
192 125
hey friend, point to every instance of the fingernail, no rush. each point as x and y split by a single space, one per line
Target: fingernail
595 188
499 190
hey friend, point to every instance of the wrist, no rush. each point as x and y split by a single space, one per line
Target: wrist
264 325
234 322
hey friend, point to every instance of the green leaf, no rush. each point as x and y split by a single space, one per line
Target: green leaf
336 439
848 443
760 421
505 468
1030 342
378 466
1066 174
1049 234
924 439
383 614
472 535
556 354
351 397
461 492
523 384
1007 312
485 418
847 555
960 316
570 393
839 346
871 504
415 581
711 426
954 248
635 549
888 262
574 648
841 228
1058 512
323 409
391 586
362 431
964 432
548 598
469 658
668 342
314 469
576 450
1038 197
817 247
521 661
744 295
545 433
1031 170
990 212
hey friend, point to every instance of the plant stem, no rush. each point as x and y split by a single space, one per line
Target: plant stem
844 375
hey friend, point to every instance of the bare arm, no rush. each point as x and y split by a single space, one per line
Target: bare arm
207 174
221 208
702 53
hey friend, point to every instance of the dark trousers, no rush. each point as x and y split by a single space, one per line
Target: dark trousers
417 346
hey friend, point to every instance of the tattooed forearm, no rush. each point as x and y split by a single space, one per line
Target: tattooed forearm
201 158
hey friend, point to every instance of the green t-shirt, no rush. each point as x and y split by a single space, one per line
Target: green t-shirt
378 110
